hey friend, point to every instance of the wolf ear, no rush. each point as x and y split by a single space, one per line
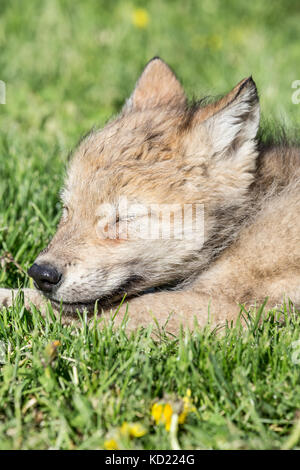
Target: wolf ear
233 121
157 86
223 136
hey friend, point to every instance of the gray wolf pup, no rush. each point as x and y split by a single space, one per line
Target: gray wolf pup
162 152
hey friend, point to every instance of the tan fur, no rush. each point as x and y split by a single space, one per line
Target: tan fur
160 150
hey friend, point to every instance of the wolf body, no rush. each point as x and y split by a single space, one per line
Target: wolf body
162 151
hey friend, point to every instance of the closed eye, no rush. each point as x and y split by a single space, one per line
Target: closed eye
128 218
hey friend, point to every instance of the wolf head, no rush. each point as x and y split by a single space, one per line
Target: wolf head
145 197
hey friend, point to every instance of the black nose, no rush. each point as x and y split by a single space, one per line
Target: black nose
45 276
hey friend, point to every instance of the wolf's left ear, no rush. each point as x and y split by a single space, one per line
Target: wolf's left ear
222 135
233 121
157 86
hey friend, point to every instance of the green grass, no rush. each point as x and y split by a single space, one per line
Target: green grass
244 385
68 66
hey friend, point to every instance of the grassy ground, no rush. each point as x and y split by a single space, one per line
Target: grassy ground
68 66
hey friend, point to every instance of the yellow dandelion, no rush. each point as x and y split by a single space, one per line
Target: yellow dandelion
132 430
156 412
188 407
162 414
140 18
51 350
111 444
124 429
167 414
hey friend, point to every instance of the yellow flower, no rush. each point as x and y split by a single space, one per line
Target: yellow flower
188 407
156 412
115 437
162 414
132 429
167 414
111 444
140 18
51 350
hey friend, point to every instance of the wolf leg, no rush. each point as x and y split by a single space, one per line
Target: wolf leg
176 309
31 297
169 309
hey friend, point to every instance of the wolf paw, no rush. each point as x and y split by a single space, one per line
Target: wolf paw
6 298
31 297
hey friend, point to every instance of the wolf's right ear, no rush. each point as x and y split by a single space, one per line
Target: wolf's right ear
157 86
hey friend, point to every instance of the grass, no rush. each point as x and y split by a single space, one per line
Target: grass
66 69
78 393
